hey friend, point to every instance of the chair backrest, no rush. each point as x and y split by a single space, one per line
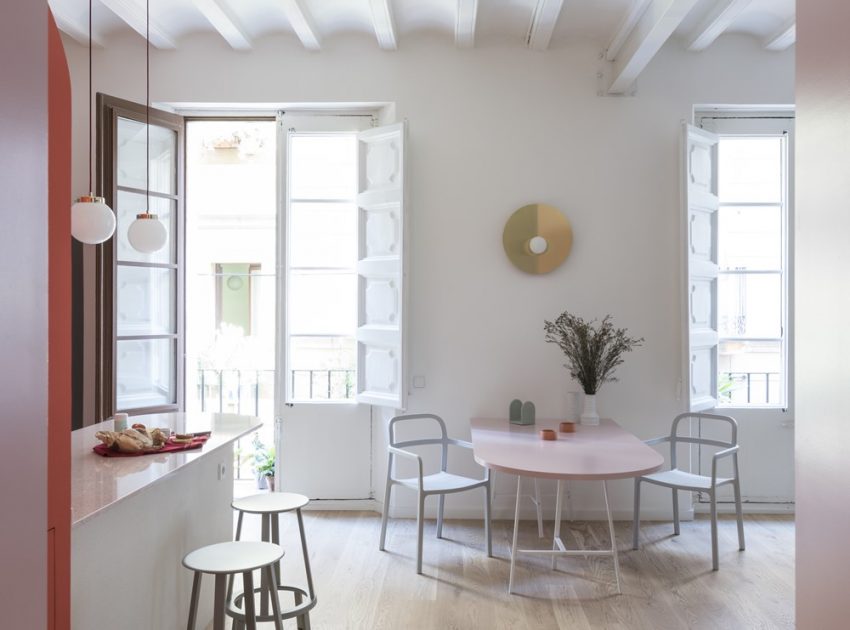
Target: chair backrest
675 437
443 440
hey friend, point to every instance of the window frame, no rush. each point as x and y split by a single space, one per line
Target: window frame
308 125
109 109
779 123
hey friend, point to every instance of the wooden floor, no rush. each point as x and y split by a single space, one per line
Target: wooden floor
668 584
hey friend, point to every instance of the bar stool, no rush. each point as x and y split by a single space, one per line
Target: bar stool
270 506
227 559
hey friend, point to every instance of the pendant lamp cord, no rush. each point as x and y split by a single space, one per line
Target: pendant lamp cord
91 155
148 104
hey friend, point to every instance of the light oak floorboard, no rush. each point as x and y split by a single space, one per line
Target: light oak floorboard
668 584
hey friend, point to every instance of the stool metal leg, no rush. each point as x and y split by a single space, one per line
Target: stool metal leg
219 603
193 603
238 537
278 623
305 554
275 519
250 612
266 537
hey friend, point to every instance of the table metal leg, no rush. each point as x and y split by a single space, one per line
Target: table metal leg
557 538
516 531
613 539
539 507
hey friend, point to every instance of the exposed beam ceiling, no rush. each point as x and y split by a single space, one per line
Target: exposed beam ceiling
221 16
382 19
302 23
467 13
720 18
783 38
543 22
76 30
654 28
133 14
626 27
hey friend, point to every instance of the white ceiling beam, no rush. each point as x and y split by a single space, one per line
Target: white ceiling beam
467 14
715 23
133 13
302 23
543 21
224 20
784 38
654 28
382 19
78 30
630 20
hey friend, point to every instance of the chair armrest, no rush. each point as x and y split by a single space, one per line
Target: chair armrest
658 440
461 443
724 453
408 455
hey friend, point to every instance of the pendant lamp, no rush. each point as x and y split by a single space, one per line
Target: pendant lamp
147 234
92 221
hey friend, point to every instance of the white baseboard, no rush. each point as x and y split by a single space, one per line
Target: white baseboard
748 508
353 505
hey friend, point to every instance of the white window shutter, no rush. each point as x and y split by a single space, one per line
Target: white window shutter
701 264
382 268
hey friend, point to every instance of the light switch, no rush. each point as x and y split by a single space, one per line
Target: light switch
419 381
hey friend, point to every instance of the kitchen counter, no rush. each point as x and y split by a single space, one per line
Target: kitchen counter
98 482
135 518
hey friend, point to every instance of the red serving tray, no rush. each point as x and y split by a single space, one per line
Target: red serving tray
169 447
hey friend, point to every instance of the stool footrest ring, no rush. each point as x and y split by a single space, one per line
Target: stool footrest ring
235 611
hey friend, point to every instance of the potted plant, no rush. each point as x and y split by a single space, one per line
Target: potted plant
264 464
593 350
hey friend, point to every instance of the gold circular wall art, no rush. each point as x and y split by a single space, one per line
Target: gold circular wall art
537 238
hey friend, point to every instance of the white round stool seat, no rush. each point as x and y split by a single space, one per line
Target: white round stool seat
270 503
233 557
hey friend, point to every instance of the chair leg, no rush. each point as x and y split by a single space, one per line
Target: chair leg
440 510
420 522
715 565
740 513
385 512
675 512
636 516
488 534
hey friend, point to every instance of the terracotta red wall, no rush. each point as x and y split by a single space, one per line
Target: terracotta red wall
59 335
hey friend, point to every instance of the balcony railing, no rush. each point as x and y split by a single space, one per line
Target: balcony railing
750 387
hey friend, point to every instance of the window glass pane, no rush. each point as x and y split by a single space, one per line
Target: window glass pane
322 303
750 305
323 167
322 368
750 169
750 372
131 204
146 300
132 152
323 235
145 373
750 237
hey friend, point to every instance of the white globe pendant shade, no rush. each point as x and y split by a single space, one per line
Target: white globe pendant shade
147 234
92 221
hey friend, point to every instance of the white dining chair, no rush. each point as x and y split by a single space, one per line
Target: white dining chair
677 479
440 483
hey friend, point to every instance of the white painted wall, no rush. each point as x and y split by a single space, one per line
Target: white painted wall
823 338
23 315
492 129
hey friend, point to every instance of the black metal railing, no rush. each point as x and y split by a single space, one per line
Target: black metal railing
758 387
